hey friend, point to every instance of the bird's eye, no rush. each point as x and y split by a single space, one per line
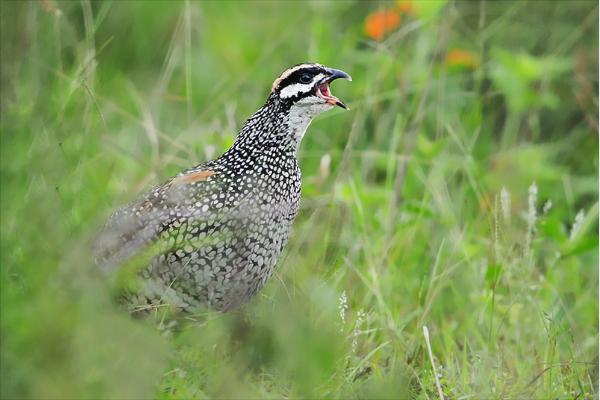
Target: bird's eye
305 78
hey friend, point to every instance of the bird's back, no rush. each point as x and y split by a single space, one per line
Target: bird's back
214 232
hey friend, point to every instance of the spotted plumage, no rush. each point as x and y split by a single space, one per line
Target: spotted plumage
215 231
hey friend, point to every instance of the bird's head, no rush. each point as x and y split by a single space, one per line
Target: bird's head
305 87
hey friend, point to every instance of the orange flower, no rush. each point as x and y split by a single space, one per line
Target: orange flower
462 58
380 23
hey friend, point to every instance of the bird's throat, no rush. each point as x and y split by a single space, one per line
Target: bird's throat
274 125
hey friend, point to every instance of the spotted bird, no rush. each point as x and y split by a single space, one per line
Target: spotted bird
216 231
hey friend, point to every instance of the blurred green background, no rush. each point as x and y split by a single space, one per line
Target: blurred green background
459 193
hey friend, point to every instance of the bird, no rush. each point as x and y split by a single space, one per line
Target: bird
213 233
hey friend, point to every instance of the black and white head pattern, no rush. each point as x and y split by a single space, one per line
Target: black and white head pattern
305 89
299 80
307 83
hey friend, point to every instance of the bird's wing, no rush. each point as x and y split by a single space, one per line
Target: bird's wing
138 225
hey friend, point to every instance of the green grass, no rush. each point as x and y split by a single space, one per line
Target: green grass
402 209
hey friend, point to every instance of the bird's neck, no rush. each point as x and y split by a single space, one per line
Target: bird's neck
275 126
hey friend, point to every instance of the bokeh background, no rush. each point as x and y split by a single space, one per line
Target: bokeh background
459 193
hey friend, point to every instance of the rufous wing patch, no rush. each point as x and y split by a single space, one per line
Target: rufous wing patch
196 176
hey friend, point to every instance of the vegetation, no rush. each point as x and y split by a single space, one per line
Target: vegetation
460 193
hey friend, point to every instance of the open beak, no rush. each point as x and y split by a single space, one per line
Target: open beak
323 88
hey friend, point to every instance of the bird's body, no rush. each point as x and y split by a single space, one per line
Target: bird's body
217 230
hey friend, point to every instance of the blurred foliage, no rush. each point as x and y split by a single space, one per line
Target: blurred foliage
451 101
